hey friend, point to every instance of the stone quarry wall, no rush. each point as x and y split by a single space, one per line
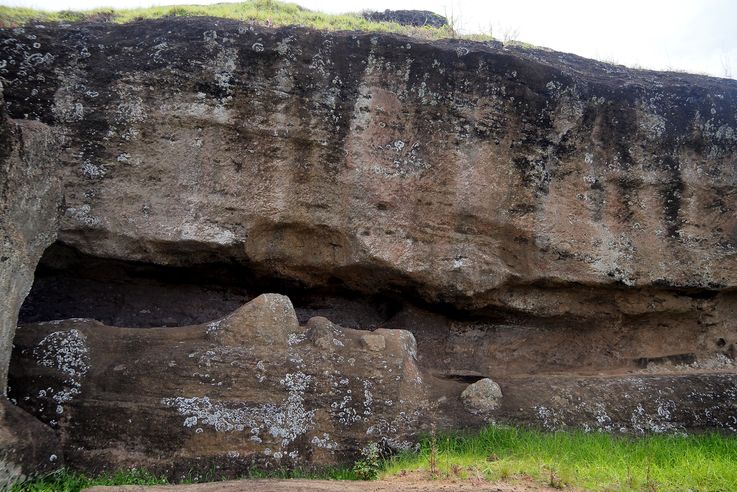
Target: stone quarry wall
456 170
563 226
30 195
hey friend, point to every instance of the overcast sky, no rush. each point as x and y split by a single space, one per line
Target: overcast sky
692 35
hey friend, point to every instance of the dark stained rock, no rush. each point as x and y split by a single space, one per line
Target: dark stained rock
28 448
415 18
562 226
249 390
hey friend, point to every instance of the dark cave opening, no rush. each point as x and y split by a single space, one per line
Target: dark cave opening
71 284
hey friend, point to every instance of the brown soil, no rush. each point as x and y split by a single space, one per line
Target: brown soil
407 483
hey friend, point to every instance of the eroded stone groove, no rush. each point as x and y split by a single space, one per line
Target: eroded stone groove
554 231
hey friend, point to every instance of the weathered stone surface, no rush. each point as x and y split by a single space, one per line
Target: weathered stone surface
482 397
416 18
30 194
188 399
562 226
27 447
377 343
460 171
268 320
192 399
634 404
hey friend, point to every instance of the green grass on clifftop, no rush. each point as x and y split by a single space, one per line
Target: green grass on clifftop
263 12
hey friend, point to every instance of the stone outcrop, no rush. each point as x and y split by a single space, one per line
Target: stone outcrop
30 194
253 389
257 390
460 172
559 225
417 18
28 448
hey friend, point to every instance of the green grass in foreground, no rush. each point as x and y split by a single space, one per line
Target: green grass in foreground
66 481
593 461
271 12
69 481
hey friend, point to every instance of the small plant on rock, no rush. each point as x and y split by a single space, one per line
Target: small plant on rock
367 468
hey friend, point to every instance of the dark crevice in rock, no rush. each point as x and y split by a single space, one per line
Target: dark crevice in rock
71 284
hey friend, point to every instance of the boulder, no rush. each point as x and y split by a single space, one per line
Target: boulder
482 397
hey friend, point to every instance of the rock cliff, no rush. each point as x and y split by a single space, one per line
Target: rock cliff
559 225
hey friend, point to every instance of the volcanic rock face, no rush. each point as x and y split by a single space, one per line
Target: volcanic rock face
459 171
415 18
564 227
30 193
251 389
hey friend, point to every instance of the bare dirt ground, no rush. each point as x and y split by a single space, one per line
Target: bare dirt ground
390 485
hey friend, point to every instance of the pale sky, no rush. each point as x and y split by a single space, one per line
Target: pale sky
693 35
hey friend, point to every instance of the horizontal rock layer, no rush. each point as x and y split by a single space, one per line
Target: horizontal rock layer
450 169
257 390
561 226
253 389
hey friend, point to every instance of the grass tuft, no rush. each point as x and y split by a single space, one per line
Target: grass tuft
263 12
68 481
592 461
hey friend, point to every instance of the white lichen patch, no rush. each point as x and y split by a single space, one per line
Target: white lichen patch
236 356
130 109
393 433
283 48
65 351
652 125
296 338
260 371
283 422
409 343
213 327
66 108
548 417
82 215
208 233
92 171
324 442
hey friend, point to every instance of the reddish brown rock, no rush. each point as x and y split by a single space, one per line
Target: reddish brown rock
28 448
217 395
463 172
562 226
